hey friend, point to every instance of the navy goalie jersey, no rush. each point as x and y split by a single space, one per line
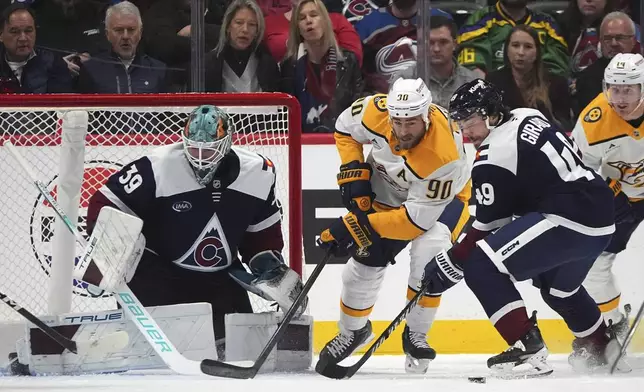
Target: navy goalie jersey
198 227
526 165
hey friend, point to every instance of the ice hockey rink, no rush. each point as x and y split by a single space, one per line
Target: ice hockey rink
447 373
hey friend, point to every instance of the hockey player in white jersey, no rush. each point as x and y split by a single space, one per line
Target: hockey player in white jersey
206 207
610 134
412 187
541 215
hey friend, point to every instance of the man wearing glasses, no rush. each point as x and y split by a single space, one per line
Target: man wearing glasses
617 34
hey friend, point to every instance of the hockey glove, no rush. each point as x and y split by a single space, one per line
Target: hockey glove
442 272
355 186
623 210
352 234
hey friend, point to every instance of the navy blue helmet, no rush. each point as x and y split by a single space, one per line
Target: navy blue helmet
478 96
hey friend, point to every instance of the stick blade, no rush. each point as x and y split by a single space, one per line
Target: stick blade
223 369
333 370
112 342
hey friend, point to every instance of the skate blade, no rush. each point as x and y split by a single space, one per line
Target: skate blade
415 365
533 367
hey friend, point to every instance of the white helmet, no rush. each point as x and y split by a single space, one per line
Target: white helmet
409 98
624 69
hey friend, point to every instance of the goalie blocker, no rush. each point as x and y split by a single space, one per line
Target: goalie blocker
247 334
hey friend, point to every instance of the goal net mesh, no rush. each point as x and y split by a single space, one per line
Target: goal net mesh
115 136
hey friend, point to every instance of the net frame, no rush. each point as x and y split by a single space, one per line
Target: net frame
258 101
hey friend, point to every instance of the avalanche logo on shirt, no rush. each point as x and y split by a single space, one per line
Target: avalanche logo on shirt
210 252
397 57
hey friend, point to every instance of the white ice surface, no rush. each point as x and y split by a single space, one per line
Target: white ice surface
448 373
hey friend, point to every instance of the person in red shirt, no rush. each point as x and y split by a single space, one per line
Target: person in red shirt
277 26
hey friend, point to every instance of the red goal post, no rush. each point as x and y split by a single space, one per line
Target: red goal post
120 128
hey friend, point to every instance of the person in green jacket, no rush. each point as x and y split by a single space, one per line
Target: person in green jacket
482 36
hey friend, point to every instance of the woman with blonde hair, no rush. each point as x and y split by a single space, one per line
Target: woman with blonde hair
240 62
325 78
526 83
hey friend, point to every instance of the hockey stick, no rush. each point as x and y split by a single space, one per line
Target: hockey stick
334 370
114 341
629 338
223 369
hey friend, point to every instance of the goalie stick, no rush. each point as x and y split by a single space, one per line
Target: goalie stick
629 338
334 370
114 341
137 313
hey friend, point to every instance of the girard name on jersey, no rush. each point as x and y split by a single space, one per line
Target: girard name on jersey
532 130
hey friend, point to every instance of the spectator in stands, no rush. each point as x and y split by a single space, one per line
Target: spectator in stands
277 33
167 37
387 52
617 35
241 62
526 83
482 38
24 69
325 78
71 28
446 74
580 26
123 69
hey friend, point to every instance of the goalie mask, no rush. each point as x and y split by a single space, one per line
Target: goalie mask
207 138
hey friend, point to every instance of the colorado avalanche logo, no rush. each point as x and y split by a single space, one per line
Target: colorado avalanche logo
395 58
210 253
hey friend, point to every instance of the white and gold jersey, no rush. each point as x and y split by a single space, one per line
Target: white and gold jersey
612 146
412 186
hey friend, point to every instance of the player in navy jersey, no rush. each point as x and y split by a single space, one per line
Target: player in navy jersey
541 215
207 206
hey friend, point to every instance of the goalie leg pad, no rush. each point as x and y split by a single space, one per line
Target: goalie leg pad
188 326
248 333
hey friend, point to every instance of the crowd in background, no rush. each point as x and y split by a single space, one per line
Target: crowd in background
548 55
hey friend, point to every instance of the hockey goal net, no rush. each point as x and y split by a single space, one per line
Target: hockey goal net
35 263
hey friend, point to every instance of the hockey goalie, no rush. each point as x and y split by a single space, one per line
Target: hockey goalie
211 233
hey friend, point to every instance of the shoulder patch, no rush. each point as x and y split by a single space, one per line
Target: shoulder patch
380 102
593 115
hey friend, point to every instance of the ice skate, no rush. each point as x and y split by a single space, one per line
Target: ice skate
345 343
597 352
529 350
418 354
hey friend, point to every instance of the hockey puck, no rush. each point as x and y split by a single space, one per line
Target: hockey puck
478 380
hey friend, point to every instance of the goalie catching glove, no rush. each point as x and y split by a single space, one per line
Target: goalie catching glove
352 234
354 180
271 279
